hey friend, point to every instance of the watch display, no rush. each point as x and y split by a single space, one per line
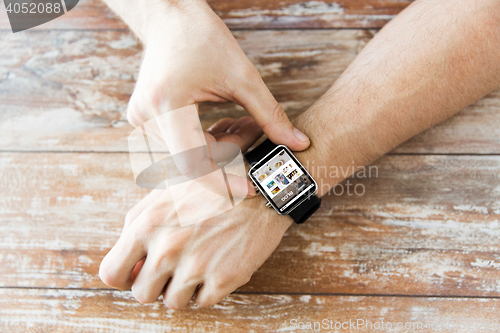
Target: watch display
283 180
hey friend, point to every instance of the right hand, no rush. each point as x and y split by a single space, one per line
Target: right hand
191 56
156 255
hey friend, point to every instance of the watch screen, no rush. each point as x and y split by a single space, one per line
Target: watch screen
282 179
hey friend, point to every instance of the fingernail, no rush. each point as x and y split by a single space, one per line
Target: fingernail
251 191
299 135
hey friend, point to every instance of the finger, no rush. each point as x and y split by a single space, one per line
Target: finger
137 269
221 125
152 279
117 266
209 295
244 136
245 133
240 187
179 292
258 101
239 123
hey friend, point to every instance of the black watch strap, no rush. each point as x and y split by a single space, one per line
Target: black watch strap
303 211
259 152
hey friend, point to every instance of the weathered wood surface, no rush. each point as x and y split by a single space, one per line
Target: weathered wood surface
68 90
115 311
426 228
262 14
427 225
308 14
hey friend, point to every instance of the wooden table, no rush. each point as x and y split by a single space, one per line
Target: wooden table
421 245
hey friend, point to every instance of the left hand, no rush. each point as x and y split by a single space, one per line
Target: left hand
156 256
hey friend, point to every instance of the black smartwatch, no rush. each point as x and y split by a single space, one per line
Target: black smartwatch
283 181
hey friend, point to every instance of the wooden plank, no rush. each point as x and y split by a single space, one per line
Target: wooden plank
472 131
426 225
111 311
68 91
262 14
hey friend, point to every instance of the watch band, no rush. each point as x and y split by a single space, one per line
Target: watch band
306 208
302 212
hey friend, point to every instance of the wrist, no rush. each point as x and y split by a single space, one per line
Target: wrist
285 221
333 154
167 17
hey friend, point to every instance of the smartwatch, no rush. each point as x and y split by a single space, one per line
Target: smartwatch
283 181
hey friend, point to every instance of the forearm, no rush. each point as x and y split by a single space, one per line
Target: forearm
146 17
428 63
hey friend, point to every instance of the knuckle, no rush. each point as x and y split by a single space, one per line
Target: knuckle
152 215
222 282
165 262
209 297
250 73
152 219
104 275
144 103
238 85
109 278
193 270
278 114
134 115
168 93
172 302
141 296
135 240
205 301
133 119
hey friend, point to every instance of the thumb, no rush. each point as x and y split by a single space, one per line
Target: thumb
258 101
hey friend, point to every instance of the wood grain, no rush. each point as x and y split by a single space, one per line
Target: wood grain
426 225
114 311
262 14
77 85
307 14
